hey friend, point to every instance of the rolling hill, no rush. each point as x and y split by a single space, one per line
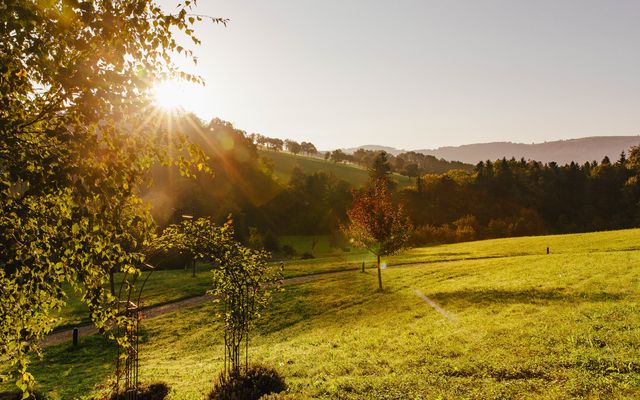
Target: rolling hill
284 163
561 151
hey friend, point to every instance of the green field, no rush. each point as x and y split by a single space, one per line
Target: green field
166 286
284 163
522 324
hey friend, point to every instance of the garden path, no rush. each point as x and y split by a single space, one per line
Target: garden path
156 311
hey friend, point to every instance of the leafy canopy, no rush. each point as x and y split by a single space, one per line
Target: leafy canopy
375 222
77 139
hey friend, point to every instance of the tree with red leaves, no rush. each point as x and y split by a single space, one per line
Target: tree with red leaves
376 224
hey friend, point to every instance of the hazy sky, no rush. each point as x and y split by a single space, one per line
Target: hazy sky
421 74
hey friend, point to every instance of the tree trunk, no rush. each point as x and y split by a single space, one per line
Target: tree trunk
379 275
112 284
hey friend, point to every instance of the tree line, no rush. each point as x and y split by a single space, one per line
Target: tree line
409 163
500 198
517 197
279 145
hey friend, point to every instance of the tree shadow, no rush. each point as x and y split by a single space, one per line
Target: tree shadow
525 296
293 300
89 364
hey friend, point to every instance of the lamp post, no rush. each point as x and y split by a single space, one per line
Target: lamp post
188 217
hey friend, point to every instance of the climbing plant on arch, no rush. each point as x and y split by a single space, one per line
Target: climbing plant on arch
243 280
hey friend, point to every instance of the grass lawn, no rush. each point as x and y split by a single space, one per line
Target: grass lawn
524 325
162 287
165 286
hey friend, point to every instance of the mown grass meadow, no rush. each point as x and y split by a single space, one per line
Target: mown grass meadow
523 324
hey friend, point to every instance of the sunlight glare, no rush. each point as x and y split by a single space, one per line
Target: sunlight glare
179 95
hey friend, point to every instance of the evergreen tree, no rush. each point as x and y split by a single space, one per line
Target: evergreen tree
380 167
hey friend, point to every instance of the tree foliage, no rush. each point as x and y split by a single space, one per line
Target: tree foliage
376 224
77 138
518 197
380 168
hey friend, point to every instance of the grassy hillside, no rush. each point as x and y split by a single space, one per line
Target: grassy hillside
284 163
519 324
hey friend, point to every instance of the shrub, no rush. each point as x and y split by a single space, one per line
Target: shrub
271 242
284 396
306 255
256 239
249 384
466 228
288 250
154 391
428 234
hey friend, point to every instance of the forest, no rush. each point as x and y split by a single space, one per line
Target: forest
495 198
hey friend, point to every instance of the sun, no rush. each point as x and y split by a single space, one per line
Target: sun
170 95
177 96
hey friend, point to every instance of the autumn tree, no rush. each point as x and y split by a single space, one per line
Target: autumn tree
376 224
77 139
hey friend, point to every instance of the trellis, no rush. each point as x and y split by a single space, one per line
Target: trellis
128 333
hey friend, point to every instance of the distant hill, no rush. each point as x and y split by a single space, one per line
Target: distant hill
390 150
561 151
284 163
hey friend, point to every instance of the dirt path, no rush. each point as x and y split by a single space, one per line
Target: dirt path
156 311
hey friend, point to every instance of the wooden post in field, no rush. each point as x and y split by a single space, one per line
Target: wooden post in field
547 249
379 275
75 336
362 265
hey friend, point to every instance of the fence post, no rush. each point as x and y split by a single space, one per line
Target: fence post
75 336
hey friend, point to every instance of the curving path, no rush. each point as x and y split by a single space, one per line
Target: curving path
156 311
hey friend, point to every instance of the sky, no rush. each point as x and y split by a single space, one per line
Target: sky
419 74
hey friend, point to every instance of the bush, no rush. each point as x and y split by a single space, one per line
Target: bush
271 242
284 396
429 234
154 391
288 250
256 239
466 228
249 384
306 255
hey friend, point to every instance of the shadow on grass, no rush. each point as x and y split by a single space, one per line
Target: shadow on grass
425 261
533 296
300 303
294 301
90 363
